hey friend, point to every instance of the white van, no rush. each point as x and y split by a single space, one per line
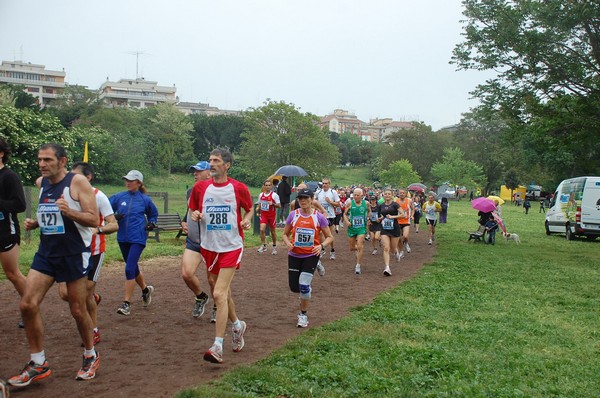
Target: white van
575 208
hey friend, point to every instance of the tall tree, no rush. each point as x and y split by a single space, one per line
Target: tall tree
546 55
399 174
172 136
210 132
73 103
454 169
278 134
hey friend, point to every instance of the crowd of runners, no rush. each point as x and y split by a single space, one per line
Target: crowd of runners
73 218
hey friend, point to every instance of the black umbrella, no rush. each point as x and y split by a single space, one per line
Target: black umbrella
291 171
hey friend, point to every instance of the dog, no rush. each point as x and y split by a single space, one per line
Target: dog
513 237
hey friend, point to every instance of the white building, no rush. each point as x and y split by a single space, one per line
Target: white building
45 85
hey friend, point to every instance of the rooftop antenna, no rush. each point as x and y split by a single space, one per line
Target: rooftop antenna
137 61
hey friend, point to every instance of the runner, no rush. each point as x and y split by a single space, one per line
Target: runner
404 222
12 201
329 199
356 214
389 212
136 214
66 211
107 224
301 236
268 203
374 224
430 208
191 258
417 203
218 203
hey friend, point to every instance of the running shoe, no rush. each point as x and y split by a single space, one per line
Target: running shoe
357 269
97 298
368 238
416 231
213 315
262 249
320 268
238 337
89 367
147 297
21 324
214 354
96 337
332 256
274 251
399 255
302 321
387 272
31 372
199 305
430 242
374 252
124 309
407 246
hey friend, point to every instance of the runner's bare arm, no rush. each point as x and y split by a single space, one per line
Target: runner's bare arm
82 191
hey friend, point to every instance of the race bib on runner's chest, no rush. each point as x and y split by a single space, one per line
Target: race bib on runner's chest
387 223
218 218
358 221
50 219
304 237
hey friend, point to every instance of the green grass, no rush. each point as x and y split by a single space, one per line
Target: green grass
481 320
347 176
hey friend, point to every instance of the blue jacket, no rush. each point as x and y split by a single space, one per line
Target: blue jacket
137 210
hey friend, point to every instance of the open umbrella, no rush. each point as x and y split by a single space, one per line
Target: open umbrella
417 186
498 198
291 171
483 204
500 222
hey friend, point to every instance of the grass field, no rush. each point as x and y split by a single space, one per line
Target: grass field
480 321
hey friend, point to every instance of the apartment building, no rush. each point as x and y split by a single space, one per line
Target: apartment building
136 93
342 121
43 84
195 108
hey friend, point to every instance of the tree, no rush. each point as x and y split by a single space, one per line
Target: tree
399 174
73 103
511 180
277 134
455 169
210 132
546 55
172 136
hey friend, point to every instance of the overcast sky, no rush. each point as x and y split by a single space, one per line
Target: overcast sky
374 58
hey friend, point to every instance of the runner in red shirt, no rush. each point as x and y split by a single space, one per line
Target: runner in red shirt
268 203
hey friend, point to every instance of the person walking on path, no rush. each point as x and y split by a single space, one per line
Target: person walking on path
284 191
218 204
136 214
191 258
66 212
356 214
430 208
107 224
389 212
301 235
329 199
12 202
268 203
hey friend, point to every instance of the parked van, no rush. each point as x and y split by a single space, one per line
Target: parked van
575 208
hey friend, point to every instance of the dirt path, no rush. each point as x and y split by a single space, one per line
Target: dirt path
158 350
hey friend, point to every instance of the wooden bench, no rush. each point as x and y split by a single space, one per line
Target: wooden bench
166 222
477 236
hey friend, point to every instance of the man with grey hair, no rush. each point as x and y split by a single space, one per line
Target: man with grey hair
356 214
329 199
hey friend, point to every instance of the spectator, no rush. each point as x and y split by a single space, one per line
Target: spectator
284 191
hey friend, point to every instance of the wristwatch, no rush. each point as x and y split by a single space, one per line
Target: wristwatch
100 232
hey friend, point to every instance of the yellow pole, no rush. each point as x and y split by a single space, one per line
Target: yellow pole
85 152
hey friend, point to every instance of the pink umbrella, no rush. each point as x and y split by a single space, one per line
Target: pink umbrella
483 204
500 221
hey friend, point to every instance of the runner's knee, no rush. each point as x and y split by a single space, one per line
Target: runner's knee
304 284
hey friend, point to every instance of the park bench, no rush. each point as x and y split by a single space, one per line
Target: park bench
477 236
166 222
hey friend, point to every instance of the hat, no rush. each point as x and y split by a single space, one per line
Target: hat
200 166
305 193
134 175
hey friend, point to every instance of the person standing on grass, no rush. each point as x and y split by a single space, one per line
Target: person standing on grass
12 202
191 258
218 204
107 224
356 214
444 213
268 203
389 213
431 207
136 214
301 235
65 215
284 191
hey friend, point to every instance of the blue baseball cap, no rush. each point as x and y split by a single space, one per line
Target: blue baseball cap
202 165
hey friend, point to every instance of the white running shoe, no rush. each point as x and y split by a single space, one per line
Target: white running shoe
320 268
374 252
357 269
332 256
387 272
302 321
274 251
262 249
430 242
399 255
407 246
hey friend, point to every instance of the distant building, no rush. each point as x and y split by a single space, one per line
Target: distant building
342 121
193 108
45 85
136 93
